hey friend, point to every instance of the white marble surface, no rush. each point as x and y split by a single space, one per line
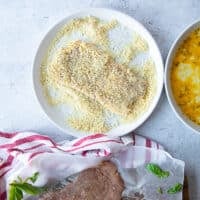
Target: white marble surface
24 23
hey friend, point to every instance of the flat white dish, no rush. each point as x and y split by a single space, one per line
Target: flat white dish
183 118
104 14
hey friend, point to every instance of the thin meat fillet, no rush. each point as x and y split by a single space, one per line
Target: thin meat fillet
93 72
99 183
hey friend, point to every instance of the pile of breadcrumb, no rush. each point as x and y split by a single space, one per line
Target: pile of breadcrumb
102 85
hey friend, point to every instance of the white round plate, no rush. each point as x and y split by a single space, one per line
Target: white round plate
104 14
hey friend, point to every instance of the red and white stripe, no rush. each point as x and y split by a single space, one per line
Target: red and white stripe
29 145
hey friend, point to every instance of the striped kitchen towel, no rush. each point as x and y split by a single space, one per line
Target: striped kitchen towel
23 149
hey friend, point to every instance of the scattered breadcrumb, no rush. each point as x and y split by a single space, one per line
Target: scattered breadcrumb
94 73
137 45
84 75
148 71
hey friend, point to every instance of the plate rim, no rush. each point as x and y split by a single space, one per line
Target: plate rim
90 11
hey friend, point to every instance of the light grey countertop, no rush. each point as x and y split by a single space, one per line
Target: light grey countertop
23 25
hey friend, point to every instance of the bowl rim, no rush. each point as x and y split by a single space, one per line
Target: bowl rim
89 10
173 104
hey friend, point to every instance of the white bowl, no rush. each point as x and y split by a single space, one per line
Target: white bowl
183 118
105 14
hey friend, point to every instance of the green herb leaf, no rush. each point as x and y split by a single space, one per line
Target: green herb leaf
11 195
17 187
18 194
175 189
156 170
159 190
32 178
15 193
19 179
28 188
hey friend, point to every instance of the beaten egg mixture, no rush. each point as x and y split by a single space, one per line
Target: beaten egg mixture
185 76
